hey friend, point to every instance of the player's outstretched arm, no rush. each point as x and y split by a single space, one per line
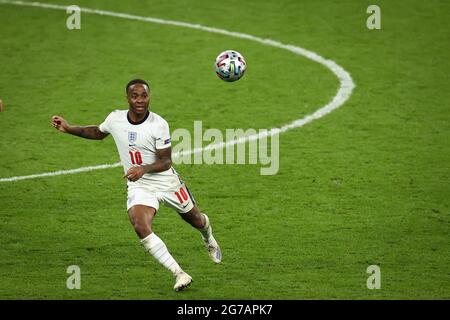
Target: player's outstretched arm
88 132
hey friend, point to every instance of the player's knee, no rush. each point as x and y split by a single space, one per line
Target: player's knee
195 219
199 221
142 229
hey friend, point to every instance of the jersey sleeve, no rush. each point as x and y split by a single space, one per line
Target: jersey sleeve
105 125
163 135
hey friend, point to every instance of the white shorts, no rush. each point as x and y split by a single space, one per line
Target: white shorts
181 201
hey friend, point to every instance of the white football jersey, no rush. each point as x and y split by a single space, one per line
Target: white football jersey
137 144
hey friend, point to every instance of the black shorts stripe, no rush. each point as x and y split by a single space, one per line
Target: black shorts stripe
190 195
178 176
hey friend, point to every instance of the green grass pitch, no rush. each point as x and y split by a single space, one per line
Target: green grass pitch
365 185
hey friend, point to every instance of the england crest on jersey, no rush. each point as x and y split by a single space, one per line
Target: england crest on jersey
132 137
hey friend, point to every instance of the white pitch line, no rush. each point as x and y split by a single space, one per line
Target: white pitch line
346 84
60 172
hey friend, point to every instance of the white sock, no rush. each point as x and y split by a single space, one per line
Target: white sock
207 230
156 247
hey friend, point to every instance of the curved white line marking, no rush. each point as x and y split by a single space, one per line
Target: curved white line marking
346 84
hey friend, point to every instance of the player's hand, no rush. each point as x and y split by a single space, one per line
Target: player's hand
1 105
60 123
134 173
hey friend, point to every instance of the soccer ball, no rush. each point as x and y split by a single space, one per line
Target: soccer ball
230 65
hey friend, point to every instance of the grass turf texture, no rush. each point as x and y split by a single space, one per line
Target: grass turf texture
367 184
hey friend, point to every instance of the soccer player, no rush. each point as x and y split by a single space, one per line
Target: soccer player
143 141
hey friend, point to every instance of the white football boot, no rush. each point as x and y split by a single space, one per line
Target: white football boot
211 244
182 281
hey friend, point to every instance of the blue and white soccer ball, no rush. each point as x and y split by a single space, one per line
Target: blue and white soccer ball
230 65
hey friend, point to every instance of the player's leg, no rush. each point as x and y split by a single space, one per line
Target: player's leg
183 202
194 217
201 222
141 217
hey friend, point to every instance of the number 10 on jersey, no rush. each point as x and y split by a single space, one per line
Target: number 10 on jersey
136 157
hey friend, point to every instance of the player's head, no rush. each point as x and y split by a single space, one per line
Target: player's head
138 95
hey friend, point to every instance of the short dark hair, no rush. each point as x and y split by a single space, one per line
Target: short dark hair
134 81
